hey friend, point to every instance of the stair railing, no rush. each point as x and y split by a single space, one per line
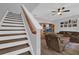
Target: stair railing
2 19
33 29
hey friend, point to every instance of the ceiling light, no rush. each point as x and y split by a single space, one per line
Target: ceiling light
59 13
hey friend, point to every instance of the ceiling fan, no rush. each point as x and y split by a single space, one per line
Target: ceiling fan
60 11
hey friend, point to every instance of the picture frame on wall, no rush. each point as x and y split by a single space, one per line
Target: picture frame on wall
65 25
69 23
69 20
61 25
74 25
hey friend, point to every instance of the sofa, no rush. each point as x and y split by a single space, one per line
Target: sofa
74 36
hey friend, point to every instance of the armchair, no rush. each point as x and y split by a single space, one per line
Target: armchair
55 42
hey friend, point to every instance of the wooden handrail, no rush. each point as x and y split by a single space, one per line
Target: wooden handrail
29 23
32 22
33 29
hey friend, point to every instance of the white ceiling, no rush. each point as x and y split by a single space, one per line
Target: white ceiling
31 6
43 10
15 7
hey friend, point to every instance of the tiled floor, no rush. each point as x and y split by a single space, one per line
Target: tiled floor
71 49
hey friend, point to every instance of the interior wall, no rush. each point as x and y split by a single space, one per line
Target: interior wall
14 7
58 28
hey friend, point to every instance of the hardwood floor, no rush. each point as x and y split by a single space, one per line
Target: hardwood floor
70 49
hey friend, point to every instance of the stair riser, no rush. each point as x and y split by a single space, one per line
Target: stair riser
13 38
12 23
7 50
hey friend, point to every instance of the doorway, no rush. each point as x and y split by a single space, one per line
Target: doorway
45 26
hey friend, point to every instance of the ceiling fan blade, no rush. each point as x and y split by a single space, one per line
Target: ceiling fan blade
53 14
59 10
60 14
53 11
66 11
63 8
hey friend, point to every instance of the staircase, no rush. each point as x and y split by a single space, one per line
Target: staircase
13 37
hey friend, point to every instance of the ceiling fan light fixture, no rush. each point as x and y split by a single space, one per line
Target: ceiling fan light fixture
59 13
